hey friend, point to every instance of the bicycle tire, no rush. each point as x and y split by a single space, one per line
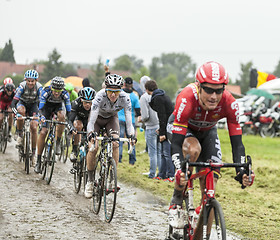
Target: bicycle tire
27 152
110 190
265 131
5 137
50 167
78 174
85 174
66 145
1 139
98 185
44 161
218 221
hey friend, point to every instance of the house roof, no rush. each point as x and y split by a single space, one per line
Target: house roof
234 90
8 68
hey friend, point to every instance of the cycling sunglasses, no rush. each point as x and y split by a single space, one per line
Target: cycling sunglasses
116 91
209 90
56 90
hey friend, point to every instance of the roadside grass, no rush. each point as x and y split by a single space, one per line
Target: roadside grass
254 212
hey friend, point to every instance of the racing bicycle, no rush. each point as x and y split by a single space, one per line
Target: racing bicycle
24 151
105 177
79 169
49 155
200 219
4 131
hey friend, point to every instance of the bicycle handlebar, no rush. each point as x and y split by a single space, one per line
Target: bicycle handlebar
56 122
118 139
27 117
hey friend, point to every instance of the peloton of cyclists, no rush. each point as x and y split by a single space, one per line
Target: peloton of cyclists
51 101
78 117
25 103
104 114
198 108
7 93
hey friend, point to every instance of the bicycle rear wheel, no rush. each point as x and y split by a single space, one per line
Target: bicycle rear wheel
5 136
98 185
27 152
78 174
218 228
110 190
85 175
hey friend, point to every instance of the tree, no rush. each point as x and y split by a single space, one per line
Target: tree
128 63
53 67
244 77
7 54
169 85
277 70
140 73
69 70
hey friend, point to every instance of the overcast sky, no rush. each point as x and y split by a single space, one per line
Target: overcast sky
228 31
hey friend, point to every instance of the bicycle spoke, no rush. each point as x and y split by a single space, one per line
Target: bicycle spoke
110 190
98 185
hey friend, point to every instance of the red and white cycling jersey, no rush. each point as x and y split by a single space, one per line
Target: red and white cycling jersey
189 114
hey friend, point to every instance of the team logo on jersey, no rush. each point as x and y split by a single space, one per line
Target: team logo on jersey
177 129
194 89
181 108
215 116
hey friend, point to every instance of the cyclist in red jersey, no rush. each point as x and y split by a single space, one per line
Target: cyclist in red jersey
7 93
198 108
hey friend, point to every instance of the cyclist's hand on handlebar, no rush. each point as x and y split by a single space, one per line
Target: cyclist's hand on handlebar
19 116
42 118
91 136
180 178
246 181
72 129
132 140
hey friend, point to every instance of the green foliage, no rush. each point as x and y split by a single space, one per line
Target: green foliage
244 77
277 70
17 79
7 54
53 67
140 73
69 70
127 63
169 85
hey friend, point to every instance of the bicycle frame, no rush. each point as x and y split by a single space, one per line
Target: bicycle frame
208 194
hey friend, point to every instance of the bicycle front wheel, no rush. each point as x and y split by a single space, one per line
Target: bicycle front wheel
65 149
78 167
98 185
27 152
48 163
213 213
110 190
5 136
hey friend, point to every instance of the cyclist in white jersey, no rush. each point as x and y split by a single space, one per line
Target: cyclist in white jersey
104 114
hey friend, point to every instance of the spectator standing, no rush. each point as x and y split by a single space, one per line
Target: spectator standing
128 88
150 119
162 104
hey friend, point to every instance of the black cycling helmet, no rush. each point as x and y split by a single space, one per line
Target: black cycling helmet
10 87
87 94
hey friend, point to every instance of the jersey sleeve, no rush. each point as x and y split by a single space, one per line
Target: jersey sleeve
182 111
128 116
232 108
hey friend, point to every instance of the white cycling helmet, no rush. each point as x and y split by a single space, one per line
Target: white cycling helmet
114 80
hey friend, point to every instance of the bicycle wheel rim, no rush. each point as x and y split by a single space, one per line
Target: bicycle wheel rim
110 190
5 138
218 228
78 175
27 152
98 184
49 166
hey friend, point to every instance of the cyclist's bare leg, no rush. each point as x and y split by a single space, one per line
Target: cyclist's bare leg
60 127
78 124
91 159
116 149
10 118
1 118
41 140
33 129
21 110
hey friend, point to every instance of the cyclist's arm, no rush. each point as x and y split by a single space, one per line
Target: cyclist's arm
93 115
176 150
16 98
128 117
